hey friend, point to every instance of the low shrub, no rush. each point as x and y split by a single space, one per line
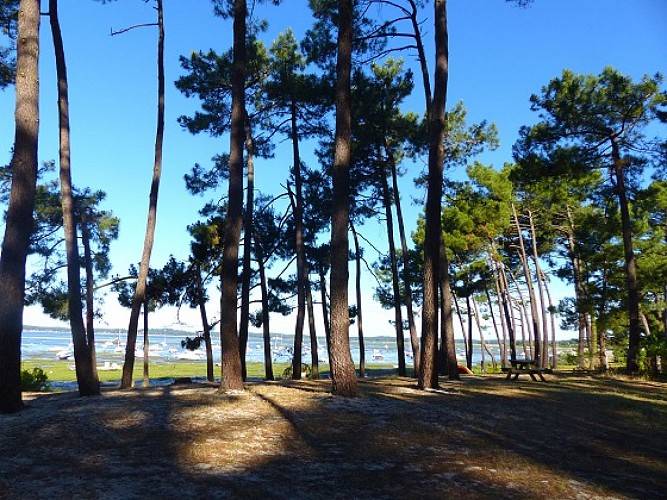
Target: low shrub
34 380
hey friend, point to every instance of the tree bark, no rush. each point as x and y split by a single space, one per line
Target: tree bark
428 373
19 219
501 348
206 328
343 377
146 375
398 315
90 290
632 365
140 290
407 283
360 316
247 248
266 330
232 376
544 353
448 347
314 354
301 277
85 374
325 313
534 315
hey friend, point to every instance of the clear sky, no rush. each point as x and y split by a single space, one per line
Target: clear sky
499 55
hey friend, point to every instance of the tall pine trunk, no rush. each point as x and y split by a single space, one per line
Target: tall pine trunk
206 328
343 377
534 315
140 290
428 373
630 262
396 288
360 315
314 354
301 276
85 372
232 375
544 353
448 347
19 218
90 289
247 248
266 326
407 283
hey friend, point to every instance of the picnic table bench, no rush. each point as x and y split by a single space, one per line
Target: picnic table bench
524 367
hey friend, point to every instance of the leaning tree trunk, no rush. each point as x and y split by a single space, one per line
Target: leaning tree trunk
534 315
398 316
232 375
19 218
544 353
360 315
428 373
85 374
325 313
501 346
343 377
448 347
266 330
314 354
90 290
140 290
630 262
407 283
206 328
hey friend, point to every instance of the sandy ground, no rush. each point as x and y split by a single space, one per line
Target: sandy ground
482 437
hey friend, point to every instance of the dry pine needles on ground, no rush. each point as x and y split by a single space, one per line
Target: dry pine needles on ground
483 437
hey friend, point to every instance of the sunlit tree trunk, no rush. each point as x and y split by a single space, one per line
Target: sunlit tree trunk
146 374
496 330
343 376
544 353
140 290
88 384
19 218
428 372
534 315
232 375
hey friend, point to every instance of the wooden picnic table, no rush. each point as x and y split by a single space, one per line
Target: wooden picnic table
524 367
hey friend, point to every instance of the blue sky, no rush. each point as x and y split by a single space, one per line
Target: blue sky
499 55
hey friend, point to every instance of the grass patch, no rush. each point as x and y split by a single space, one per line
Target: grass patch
63 371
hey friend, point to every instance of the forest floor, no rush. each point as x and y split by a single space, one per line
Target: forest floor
481 437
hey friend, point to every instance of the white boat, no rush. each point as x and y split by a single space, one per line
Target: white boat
64 354
189 355
377 354
107 366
